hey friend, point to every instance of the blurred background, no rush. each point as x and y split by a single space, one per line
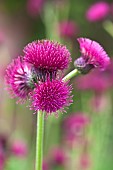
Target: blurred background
82 138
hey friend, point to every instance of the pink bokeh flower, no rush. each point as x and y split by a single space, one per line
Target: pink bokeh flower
45 165
2 159
34 7
68 29
19 78
98 11
51 96
19 149
92 54
3 151
85 161
75 124
58 156
48 57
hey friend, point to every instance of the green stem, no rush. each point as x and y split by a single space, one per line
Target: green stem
73 73
39 140
108 26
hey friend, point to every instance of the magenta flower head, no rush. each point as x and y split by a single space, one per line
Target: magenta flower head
48 58
51 96
92 55
98 11
19 149
68 29
19 78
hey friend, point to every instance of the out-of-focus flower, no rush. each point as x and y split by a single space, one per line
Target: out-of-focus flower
98 11
2 159
47 57
51 96
68 29
19 78
75 124
34 7
19 148
3 146
85 161
45 165
96 80
92 55
58 156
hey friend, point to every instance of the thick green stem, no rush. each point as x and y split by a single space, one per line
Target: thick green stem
73 73
39 140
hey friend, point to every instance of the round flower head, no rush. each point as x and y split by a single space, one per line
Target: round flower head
93 54
51 96
19 78
48 57
98 11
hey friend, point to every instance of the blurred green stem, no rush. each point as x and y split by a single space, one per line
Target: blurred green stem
108 26
73 73
39 140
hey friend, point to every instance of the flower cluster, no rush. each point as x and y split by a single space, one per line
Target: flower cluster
36 75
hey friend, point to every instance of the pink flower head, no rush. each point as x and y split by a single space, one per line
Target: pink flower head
51 96
68 29
19 148
48 57
75 124
19 78
34 7
58 156
93 54
98 11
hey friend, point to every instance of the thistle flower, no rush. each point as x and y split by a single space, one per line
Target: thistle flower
98 11
47 57
51 96
19 78
92 55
